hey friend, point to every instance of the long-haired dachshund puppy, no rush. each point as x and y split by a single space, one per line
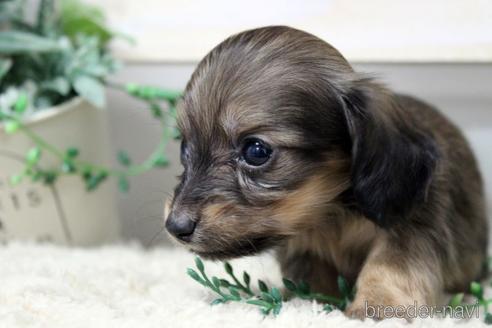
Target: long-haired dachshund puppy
286 147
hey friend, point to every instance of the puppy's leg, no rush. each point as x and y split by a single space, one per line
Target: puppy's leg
319 274
396 277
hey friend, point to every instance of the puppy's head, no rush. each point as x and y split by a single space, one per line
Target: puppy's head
272 123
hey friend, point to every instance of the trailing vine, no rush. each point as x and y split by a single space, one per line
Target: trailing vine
161 104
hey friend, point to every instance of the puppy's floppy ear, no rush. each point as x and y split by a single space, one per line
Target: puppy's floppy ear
392 160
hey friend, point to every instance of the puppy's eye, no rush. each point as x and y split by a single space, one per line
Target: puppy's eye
184 151
255 152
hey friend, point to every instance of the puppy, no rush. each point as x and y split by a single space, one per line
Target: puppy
286 147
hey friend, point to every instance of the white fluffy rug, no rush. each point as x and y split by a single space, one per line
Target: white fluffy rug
125 286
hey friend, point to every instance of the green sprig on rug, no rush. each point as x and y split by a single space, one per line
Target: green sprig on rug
270 299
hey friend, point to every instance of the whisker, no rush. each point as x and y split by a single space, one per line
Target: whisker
154 237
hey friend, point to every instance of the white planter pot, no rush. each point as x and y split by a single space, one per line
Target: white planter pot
63 212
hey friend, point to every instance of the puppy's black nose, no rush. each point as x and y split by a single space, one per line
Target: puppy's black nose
180 226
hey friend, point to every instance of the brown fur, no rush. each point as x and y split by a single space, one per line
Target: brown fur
378 187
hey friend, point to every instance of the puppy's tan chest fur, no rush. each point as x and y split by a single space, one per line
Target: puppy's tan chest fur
342 244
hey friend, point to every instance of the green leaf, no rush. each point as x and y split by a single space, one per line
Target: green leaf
169 95
234 292
259 303
68 166
267 297
132 88
96 70
46 19
16 179
156 110
230 298
95 180
216 282
80 18
160 161
146 92
33 156
17 42
90 89
123 184
152 93
246 278
456 300
328 308
228 268
290 285
173 112
304 288
59 85
262 286
86 174
10 10
20 104
176 134
72 152
224 283
199 264
276 294
488 318
123 158
11 126
476 290
49 177
217 301
5 65
36 176
195 276
277 308
343 286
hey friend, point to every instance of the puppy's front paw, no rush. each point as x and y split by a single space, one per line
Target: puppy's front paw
355 311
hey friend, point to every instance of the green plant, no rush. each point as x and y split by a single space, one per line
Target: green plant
61 54
476 291
269 300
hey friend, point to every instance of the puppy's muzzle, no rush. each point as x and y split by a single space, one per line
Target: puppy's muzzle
180 226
